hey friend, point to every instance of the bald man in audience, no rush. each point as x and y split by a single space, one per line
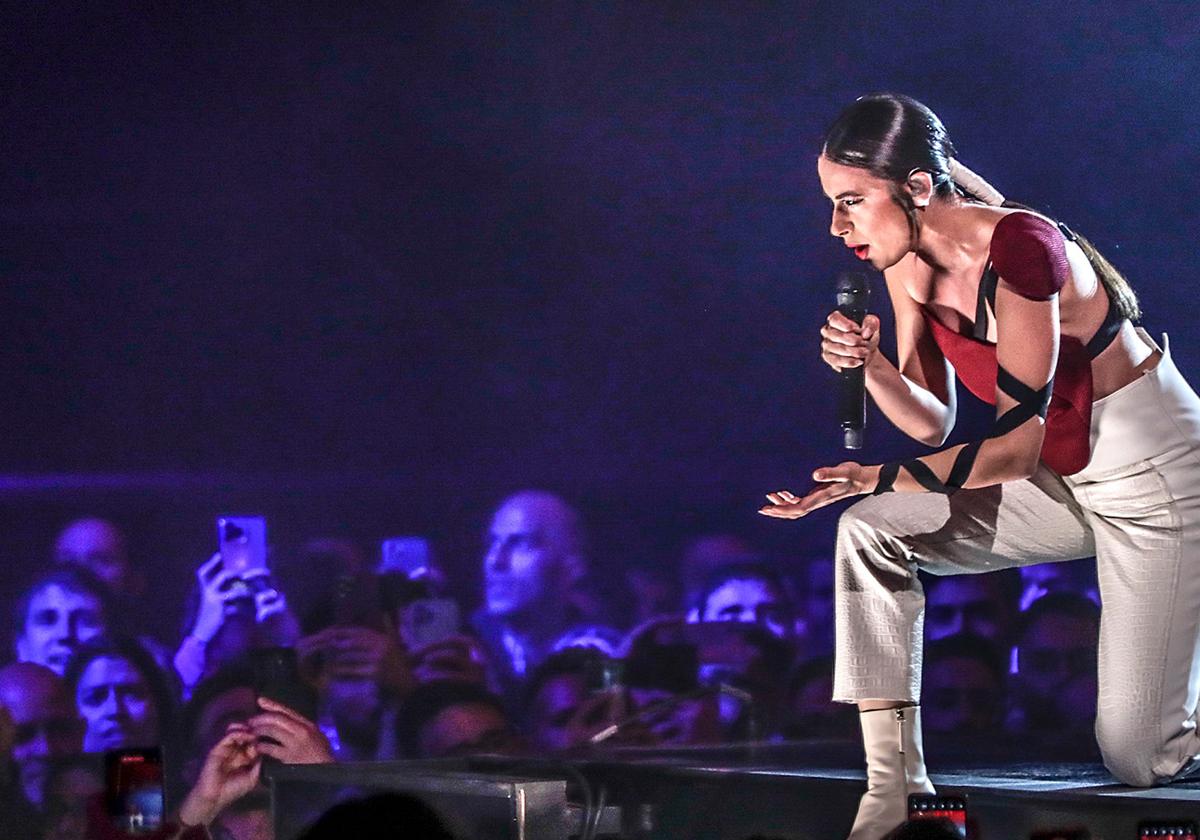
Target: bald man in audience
99 546
534 572
47 725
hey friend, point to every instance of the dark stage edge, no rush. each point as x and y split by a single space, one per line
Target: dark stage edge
798 791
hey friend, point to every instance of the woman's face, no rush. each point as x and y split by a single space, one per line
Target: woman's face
116 703
865 214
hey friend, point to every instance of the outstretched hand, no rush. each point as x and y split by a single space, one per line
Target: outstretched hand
834 483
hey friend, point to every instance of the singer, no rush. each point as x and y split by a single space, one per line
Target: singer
1095 449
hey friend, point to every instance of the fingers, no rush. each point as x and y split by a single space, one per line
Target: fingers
226 585
209 569
842 472
846 344
870 327
277 707
276 751
840 322
818 498
783 497
278 728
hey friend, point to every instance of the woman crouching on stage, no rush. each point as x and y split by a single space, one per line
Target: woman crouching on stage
1095 449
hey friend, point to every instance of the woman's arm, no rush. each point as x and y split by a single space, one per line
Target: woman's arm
918 397
1027 352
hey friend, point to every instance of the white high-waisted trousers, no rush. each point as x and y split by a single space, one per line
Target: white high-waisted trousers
1136 507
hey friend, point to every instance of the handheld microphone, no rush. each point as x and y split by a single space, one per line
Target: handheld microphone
853 292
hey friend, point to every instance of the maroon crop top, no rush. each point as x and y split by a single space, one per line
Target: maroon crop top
1030 254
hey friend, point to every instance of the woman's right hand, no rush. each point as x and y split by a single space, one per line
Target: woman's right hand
217 588
845 344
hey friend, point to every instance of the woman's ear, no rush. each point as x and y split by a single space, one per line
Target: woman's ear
920 186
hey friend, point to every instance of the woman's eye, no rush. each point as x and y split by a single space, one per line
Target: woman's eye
850 202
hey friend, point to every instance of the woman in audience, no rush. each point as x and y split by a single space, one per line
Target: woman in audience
122 696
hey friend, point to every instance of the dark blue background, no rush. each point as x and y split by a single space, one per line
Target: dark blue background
369 266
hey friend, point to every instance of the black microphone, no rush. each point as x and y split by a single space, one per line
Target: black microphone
853 292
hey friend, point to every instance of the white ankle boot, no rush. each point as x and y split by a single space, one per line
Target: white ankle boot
895 768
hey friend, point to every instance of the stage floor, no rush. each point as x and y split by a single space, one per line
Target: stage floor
793 791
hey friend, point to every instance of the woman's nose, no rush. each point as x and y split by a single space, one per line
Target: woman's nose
112 706
838 226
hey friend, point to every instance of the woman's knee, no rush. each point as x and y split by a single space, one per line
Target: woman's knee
1134 757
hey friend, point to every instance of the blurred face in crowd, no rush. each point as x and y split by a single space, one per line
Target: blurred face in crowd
99 547
47 726
466 729
960 694
233 705
67 797
532 554
58 621
118 706
813 715
1055 650
750 600
704 555
816 606
552 711
966 604
1076 577
355 706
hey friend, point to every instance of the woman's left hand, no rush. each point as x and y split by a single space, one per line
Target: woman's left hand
840 482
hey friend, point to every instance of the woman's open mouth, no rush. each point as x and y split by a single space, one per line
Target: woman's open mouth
861 251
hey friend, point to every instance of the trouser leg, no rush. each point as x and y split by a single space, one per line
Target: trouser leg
883 540
1146 519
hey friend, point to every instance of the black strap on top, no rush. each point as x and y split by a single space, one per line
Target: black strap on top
964 462
1103 337
986 299
1030 402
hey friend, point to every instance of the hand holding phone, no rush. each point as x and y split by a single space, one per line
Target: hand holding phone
230 771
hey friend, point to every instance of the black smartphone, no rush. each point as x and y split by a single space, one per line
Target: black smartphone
357 601
277 677
932 806
1062 834
1173 829
133 790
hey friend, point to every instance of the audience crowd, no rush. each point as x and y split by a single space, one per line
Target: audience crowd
329 656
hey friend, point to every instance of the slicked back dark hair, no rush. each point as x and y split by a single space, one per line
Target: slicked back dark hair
891 135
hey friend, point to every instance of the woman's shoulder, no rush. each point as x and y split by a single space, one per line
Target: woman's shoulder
1029 253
